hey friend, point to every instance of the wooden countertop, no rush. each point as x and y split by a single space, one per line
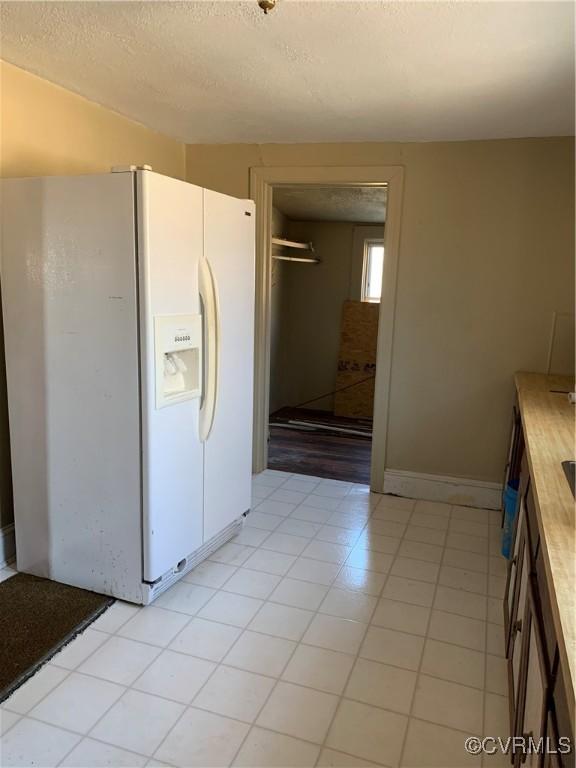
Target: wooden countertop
548 421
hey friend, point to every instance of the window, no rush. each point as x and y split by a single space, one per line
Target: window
372 270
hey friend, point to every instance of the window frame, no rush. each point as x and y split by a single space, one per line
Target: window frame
369 242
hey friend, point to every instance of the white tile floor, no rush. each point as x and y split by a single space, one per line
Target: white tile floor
339 628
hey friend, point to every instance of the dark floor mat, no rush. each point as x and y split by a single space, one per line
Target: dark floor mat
37 618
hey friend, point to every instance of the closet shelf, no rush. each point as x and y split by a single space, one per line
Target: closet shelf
299 246
292 244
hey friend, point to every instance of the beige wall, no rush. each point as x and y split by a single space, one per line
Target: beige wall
315 296
486 258
306 310
314 306
278 311
46 130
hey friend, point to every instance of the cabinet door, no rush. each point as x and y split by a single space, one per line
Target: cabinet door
552 758
517 619
513 578
563 731
532 688
515 449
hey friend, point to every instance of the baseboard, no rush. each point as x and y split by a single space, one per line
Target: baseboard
452 490
7 545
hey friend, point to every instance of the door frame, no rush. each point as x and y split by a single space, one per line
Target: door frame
262 182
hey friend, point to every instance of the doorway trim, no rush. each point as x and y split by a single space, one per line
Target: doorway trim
262 182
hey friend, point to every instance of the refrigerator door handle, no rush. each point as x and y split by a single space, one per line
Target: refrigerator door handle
210 323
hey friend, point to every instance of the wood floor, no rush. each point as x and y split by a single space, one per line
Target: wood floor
320 453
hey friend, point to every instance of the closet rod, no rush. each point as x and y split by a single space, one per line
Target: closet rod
303 259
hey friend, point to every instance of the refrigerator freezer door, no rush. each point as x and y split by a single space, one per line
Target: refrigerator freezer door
169 249
229 250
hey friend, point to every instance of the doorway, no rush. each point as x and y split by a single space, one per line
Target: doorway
326 281
263 181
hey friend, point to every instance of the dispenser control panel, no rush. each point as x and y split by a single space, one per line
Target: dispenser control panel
178 358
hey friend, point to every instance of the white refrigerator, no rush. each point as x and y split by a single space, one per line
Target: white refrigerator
128 306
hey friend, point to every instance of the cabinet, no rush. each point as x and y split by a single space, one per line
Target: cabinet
538 703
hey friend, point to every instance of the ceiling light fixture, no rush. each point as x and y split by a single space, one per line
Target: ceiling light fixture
266 5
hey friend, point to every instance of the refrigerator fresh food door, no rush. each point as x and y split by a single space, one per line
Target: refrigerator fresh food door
169 249
227 420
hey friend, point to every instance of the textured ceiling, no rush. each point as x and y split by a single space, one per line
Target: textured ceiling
359 204
222 71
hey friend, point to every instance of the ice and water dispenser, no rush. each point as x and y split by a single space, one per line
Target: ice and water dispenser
178 353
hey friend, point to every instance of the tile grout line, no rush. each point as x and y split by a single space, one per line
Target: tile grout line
341 565
252 725
187 706
329 586
428 623
360 515
341 696
483 734
419 671
127 688
268 676
263 632
243 628
297 645
278 679
69 672
184 654
366 519
88 735
220 663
